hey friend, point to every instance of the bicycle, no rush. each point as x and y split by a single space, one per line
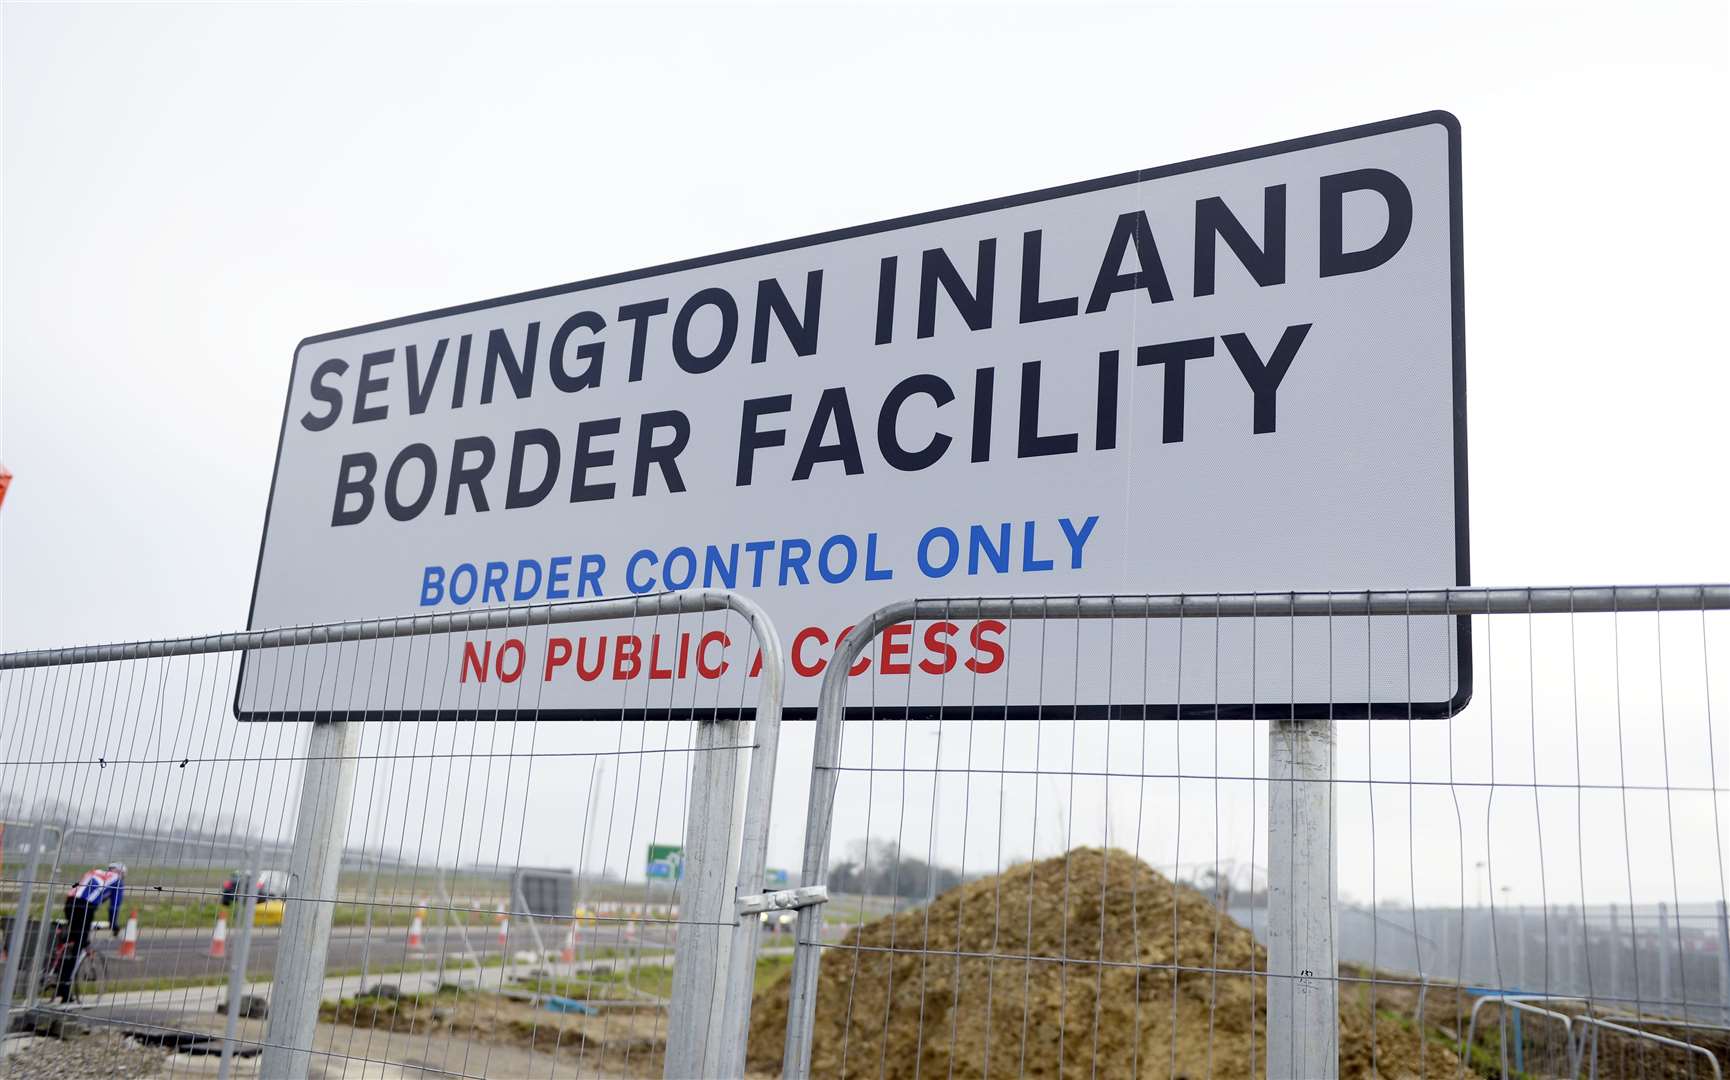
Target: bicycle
89 976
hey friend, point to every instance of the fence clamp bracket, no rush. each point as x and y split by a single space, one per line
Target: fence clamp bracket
784 900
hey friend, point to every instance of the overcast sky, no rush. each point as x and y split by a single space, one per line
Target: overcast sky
189 191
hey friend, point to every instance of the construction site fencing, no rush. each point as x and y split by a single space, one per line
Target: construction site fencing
337 862
1450 832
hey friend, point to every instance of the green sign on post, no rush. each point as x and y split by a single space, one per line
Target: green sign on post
666 862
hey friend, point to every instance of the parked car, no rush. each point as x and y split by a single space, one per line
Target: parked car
269 885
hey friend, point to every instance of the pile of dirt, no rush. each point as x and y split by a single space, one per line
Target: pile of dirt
1063 967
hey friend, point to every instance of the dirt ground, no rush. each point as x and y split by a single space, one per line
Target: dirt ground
1063 966
463 1031
474 1033
99 1054
1540 1049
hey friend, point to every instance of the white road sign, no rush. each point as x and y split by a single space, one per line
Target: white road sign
1244 372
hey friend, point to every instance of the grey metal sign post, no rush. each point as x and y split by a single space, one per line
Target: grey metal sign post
325 793
1303 996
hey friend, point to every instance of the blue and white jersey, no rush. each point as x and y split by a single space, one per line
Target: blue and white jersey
99 887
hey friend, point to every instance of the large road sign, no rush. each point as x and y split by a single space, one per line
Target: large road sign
1240 372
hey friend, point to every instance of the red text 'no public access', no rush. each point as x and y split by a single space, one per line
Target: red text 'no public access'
943 645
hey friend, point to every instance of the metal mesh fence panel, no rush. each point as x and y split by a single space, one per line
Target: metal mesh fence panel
392 861
1186 881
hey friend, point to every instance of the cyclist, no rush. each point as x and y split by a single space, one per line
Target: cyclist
82 903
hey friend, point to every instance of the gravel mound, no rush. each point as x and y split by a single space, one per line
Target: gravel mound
102 1054
1034 998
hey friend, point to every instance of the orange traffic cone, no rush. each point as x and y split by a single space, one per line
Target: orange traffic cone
415 929
129 938
219 940
569 952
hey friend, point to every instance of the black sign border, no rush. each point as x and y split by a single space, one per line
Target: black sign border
1167 710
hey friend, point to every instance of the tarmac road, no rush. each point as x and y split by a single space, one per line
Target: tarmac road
185 953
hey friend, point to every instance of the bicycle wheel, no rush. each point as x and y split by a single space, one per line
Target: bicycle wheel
91 978
49 984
